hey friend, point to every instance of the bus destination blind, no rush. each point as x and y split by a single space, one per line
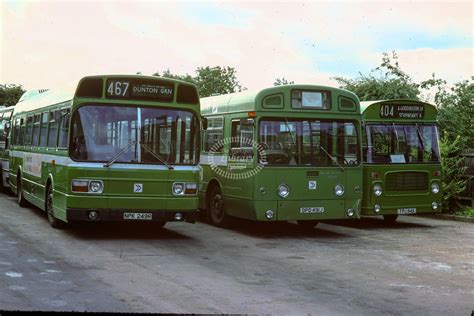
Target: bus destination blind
402 111
139 90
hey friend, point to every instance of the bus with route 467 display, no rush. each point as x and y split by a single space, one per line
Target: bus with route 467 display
111 148
402 162
285 153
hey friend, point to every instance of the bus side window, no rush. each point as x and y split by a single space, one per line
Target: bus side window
36 130
16 132
53 129
64 128
21 134
242 138
43 129
29 130
3 132
214 134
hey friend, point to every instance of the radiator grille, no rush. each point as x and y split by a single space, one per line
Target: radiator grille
406 181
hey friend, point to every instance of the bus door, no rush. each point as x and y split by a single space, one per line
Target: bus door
240 162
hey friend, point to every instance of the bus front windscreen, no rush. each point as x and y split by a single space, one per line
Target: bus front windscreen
308 142
401 143
126 134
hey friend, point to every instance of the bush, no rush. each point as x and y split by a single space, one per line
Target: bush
452 182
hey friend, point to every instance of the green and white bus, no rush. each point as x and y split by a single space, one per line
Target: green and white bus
5 119
402 168
114 148
285 153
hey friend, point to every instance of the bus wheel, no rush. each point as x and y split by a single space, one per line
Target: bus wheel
390 219
56 223
216 208
307 225
19 193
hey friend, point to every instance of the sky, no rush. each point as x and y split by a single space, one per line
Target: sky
46 43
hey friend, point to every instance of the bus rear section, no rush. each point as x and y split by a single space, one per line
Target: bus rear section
402 169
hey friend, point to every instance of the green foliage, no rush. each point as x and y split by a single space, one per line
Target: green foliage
456 112
452 182
10 94
216 80
282 81
390 82
210 80
167 74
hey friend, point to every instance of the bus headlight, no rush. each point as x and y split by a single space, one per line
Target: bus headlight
339 190
350 212
435 187
178 188
283 190
434 206
87 186
96 186
184 188
377 208
377 189
269 214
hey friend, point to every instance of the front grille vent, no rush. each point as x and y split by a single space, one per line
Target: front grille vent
406 181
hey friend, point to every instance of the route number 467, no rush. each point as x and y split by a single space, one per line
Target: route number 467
118 88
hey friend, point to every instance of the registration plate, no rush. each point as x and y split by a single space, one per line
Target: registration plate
138 216
311 210
406 211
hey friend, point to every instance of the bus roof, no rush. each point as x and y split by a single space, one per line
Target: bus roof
35 99
371 109
251 100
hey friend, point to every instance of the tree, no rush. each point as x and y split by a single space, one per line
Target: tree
209 80
168 74
217 80
455 110
391 83
10 94
282 81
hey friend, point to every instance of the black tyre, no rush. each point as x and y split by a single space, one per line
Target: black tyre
390 219
20 198
56 223
307 225
217 215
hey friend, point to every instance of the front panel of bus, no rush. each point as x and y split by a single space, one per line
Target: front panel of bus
402 171
296 157
134 151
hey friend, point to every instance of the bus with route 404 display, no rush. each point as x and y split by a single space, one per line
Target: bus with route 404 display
402 166
112 148
285 153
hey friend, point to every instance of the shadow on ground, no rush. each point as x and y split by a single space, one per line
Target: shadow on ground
280 230
378 223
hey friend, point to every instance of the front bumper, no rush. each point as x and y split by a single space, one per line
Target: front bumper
114 215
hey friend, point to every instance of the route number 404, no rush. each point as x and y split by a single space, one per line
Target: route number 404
118 88
387 111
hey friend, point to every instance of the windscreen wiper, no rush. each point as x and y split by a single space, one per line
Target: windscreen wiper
289 131
420 137
120 153
331 157
148 149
